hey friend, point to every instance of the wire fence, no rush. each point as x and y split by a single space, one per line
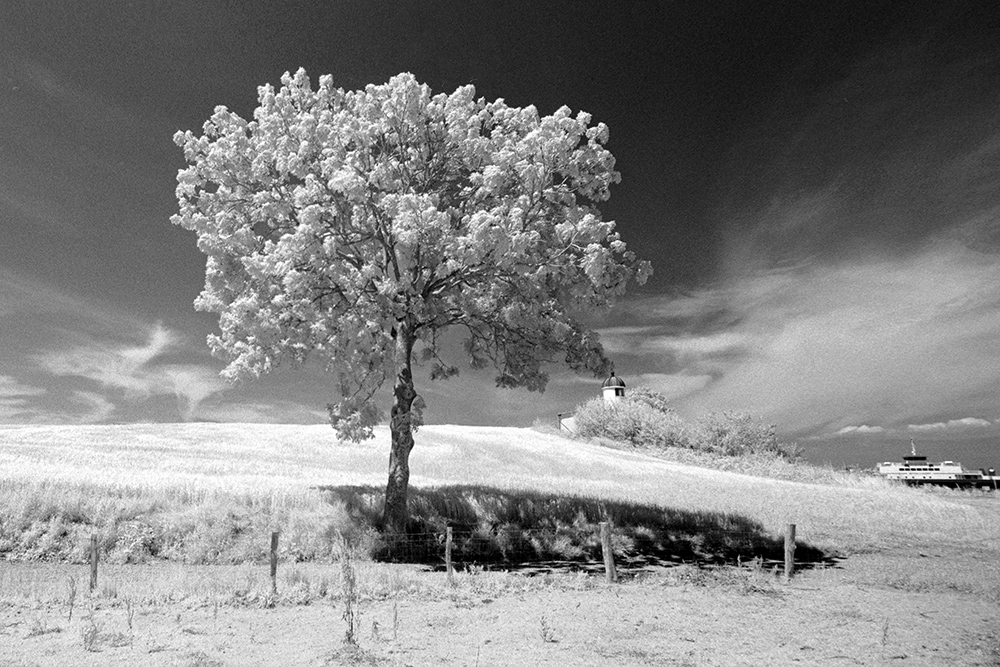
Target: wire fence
606 549
502 545
581 549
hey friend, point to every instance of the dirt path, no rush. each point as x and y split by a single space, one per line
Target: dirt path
844 616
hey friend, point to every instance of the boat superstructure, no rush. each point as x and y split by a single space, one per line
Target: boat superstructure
916 469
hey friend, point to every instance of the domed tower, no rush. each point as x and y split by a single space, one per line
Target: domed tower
614 388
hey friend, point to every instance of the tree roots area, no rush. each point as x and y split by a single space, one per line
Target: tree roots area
870 609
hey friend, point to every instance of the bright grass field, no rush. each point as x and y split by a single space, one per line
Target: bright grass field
152 467
183 513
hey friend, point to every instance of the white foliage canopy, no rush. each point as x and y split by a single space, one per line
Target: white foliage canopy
338 223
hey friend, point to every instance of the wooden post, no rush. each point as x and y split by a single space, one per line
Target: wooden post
789 551
274 562
609 556
93 561
447 556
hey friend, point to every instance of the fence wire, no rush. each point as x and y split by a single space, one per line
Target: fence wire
633 547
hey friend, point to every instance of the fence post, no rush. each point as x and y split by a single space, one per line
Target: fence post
609 556
274 562
789 551
93 561
447 556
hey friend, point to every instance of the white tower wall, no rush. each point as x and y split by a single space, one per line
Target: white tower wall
614 389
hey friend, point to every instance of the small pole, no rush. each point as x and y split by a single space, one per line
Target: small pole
274 562
609 556
447 556
93 561
789 551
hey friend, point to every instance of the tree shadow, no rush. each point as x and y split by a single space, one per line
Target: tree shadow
534 531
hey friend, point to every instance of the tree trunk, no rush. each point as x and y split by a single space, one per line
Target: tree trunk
395 514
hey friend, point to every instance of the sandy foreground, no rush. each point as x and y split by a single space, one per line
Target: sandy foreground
833 616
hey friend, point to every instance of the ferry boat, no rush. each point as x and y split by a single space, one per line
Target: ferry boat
918 470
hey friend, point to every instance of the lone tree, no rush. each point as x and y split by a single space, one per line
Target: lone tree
358 226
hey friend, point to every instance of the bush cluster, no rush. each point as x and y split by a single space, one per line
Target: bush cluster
633 421
644 419
735 434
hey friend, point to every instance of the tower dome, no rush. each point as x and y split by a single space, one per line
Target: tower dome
613 388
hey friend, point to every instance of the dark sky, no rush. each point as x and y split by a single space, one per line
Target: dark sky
814 183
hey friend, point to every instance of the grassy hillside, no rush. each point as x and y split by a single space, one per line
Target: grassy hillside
204 493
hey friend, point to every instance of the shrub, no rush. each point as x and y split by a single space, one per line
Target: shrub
653 399
641 419
738 434
135 542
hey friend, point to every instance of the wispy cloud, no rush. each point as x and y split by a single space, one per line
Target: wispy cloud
646 339
855 282
15 399
38 209
93 408
672 386
18 404
53 335
73 359
871 341
11 388
88 133
99 113
276 412
951 424
25 297
860 430
137 370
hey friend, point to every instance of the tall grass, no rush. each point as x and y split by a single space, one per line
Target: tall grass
52 521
